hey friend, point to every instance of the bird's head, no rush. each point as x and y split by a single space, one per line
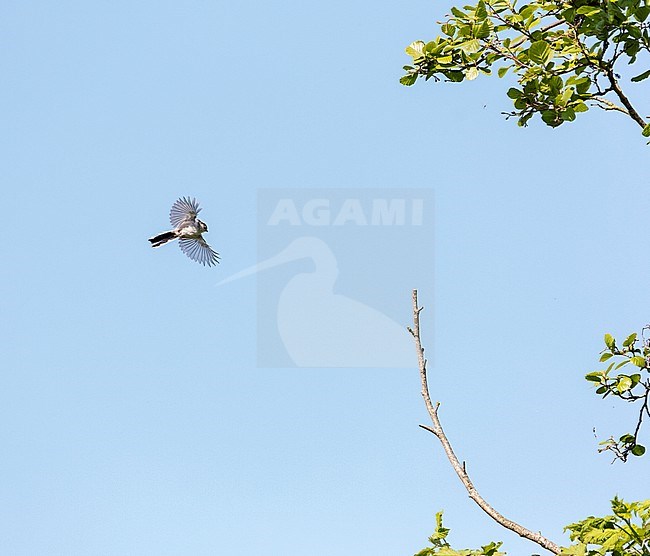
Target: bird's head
203 226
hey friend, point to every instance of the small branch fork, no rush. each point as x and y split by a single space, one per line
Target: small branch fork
459 468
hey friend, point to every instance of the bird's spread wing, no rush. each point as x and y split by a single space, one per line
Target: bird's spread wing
185 209
198 250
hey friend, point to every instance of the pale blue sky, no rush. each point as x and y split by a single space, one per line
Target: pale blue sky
134 418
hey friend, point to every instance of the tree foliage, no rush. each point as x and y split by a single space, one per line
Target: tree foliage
631 384
441 547
563 53
625 533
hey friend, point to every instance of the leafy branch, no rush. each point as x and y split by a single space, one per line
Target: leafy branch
441 547
626 533
633 387
562 52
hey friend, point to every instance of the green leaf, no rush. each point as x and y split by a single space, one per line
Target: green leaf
632 337
609 341
520 104
569 14
481 11
555 83
471 46
634 31
582 85
568 115
458 13
624 384
580 107
605 356
638 450
409 79
455 76
632 47
483 30
646 131
514 93
641 13
566 95
638 361
550 118
471 73
532 22
540 52
523 121
527 11
432 47
502 71
531 87
594 377
579 549
588 10
641 76
464 30
448 29
415 49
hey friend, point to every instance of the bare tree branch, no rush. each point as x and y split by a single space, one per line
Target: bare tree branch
607 104
459 468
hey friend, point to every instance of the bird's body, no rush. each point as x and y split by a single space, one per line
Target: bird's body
188 229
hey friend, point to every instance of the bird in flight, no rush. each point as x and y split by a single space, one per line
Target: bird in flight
188 229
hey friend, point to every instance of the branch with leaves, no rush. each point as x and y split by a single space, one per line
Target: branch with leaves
459 468
440 545
625 533
632 387
564 53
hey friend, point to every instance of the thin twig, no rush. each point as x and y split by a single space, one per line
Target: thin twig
459 468
608 70
609 105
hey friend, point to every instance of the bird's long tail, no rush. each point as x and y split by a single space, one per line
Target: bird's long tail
160 239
